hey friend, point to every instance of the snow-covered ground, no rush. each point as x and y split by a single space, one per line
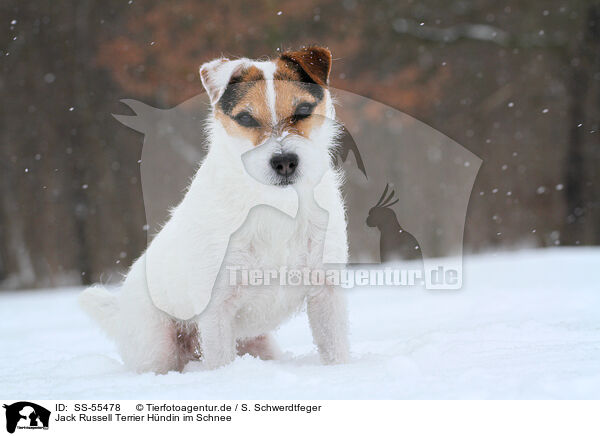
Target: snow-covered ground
525 325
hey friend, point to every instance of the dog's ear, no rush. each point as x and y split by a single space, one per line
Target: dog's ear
216 74
314 61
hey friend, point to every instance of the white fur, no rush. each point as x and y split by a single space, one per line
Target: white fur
237 319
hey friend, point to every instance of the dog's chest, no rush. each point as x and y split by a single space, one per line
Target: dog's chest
271 239
270 245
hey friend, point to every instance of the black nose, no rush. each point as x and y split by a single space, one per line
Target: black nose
285 164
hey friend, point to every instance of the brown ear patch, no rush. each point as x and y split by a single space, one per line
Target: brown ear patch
314 65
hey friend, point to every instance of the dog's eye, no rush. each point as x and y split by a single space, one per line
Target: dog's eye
303 110
246 120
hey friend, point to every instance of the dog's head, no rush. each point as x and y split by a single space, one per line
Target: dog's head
277 114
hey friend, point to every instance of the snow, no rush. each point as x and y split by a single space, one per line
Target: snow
525 325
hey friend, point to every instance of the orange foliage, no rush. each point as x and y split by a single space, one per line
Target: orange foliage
158 54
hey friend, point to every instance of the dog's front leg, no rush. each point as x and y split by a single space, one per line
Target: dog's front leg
217 341
328 319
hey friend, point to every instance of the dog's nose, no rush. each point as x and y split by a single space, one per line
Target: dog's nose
285 164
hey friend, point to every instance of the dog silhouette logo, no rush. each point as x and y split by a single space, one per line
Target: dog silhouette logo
26 415
165 174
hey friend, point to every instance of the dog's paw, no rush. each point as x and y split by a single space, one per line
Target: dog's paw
264 347
339 357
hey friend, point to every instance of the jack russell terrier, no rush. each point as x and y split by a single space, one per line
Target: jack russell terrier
266 196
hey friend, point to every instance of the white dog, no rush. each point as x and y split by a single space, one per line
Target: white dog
271 134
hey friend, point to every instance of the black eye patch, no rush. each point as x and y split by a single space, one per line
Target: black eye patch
245 119
303 111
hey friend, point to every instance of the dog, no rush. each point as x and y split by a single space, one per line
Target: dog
271 135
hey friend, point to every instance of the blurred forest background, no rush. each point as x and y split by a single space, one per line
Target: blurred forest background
517 83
